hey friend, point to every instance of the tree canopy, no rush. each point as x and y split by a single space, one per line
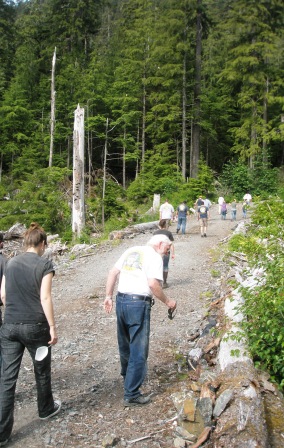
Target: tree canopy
176 80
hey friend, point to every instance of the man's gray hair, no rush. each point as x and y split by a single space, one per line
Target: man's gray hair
157 239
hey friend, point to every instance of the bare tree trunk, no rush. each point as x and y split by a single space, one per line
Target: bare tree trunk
191 146
123 158
143 126
253 138
1 167
177 155
265 119
78 211
104 177
52 114
68 150
184 140
89 154
137 160
197 92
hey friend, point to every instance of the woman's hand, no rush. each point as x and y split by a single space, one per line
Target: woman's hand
53 335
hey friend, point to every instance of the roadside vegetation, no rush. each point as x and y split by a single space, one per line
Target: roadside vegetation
263 245
46 196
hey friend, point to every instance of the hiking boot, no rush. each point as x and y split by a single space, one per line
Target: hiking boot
205 234
56 409
177 230
137 401
4 442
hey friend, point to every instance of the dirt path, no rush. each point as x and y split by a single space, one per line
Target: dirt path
86 363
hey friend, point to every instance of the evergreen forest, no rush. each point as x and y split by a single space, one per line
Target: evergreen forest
181 98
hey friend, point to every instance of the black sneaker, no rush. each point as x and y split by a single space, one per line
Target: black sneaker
56 409
177 230
137 401
205 234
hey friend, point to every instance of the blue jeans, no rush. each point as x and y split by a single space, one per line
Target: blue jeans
234 215
166 259
14 339
181 224
133 331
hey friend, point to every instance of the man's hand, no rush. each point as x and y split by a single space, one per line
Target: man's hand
171 304
108 305
157 290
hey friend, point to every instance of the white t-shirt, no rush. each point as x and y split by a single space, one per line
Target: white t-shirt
207 203
247 197
166 211
220 200
136 266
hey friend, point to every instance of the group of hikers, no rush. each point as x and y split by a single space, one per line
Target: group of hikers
202 209
223 208
169 215
29 321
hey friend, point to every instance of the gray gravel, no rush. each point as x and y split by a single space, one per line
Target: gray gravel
85 361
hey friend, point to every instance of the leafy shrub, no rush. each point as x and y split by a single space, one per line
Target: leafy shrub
43 198
114 203
237 178
264 304
156 177
159 177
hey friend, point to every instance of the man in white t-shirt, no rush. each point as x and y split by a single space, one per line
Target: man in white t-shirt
167 212
247 197
140 273
220 203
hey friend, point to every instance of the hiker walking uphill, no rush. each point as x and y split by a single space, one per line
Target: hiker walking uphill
244 209
224 210
166 258
28 323
203 215
140 272
220 202
167 212
234 210
2 266
182 212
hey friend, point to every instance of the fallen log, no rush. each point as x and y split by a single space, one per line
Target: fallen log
131 231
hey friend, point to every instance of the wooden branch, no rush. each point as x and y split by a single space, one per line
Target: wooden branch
203 437
149 436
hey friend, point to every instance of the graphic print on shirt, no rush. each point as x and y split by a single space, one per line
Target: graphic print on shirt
133 262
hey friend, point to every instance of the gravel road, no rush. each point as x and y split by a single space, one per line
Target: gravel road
85 361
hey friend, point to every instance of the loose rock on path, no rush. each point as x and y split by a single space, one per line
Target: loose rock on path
86 370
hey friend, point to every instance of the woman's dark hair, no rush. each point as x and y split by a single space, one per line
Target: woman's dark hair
34 235
163 223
